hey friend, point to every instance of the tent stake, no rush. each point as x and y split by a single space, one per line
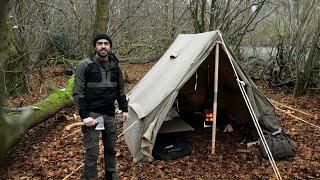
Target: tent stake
215 98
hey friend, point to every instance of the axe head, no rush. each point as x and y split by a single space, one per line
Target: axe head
100 122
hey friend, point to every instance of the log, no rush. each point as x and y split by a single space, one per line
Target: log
16 124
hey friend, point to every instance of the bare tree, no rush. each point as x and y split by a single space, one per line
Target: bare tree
198 17
12 66
21 45
212 24
47 31
296 25
235 19
304 78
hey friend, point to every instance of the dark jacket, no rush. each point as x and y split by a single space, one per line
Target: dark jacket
97 85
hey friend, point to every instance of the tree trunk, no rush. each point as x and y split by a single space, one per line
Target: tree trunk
19 123
202 15
303 80
102 17
4 131
173 25
212 20
194 14
4 45
14 66
22 50
199 24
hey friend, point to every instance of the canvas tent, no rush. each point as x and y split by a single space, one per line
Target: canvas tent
182 73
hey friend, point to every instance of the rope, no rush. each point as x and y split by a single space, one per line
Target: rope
296 117
281 110
260 133
127 129
291 108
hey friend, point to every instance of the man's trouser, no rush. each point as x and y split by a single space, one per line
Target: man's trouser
91 144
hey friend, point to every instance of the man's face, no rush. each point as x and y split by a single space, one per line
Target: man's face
102 47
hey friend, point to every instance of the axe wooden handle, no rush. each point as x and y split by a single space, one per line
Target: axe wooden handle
70 126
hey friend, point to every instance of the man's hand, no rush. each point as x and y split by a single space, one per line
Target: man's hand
89 121
125 116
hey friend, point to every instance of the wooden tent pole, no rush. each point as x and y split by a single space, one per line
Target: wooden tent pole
215 98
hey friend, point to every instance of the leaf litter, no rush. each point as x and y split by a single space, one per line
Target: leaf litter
49 152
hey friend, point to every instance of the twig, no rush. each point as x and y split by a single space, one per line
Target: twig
48 5
73 171
281 110
128 17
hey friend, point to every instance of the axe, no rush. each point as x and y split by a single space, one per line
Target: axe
98 120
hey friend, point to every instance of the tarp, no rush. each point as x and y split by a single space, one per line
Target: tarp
151 99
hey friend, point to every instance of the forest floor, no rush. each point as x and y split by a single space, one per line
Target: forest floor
49 152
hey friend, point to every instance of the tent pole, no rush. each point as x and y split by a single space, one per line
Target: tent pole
215 98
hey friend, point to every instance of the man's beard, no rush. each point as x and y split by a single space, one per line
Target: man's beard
102 55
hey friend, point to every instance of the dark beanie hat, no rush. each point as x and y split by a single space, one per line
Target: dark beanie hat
101 36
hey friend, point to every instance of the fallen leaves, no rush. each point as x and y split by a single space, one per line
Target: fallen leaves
48 152
51 76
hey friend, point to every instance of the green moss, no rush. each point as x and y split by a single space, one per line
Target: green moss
54 99
19 125
70 85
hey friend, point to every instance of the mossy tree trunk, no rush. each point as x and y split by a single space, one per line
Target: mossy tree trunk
4 130
4 45
18 123
102 17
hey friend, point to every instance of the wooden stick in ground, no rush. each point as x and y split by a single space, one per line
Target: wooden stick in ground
281 110
215 99
291 108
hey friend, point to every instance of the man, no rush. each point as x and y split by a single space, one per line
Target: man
98 83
